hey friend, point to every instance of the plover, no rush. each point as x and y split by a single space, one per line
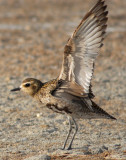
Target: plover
71 92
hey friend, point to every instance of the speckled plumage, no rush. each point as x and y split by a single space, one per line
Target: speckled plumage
71 92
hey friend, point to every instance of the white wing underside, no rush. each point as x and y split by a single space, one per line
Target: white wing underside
83 47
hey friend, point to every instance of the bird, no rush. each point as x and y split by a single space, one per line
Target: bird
71 92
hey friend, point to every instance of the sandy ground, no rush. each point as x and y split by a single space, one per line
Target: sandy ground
32 37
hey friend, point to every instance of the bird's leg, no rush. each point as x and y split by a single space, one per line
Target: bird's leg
76 129
70 129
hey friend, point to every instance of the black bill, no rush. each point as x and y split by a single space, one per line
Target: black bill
16 89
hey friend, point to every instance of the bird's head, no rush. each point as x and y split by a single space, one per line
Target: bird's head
29 86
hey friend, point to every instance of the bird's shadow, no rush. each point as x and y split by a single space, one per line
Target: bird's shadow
85 150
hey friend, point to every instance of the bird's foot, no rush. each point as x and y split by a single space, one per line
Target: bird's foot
69 148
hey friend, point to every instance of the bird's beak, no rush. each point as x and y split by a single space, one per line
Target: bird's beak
16 89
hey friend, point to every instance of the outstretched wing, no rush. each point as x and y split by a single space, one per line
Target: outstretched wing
83 47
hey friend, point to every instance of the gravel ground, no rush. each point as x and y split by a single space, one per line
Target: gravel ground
32 37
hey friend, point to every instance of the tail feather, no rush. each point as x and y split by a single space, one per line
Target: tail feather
93 107
99 110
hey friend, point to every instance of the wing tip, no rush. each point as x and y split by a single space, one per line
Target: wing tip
99 6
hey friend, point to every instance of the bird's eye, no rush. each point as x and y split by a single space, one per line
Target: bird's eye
27 84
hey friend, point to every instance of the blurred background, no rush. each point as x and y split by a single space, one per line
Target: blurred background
32 38
33 34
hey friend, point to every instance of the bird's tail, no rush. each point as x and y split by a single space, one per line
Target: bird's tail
101 111
93 107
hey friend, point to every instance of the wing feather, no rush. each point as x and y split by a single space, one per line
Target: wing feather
83 47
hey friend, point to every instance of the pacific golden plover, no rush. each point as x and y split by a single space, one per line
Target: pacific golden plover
71 93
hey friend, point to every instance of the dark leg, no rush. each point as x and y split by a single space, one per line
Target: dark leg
76 129
70 129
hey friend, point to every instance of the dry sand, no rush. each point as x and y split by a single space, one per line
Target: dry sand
32 37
